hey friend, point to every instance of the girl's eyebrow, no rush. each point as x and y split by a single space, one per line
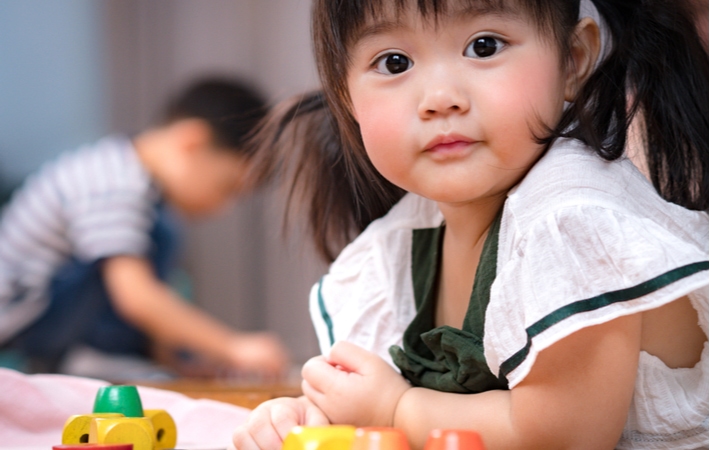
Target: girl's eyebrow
468 12
381 27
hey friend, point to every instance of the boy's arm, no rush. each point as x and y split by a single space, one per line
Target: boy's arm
576 396
152 306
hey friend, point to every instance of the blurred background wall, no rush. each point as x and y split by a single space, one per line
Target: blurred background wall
72 71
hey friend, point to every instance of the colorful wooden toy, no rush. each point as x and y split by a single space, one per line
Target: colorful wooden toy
136 430
164 427
445 439
333 437
76 428
119 399
118 417
345 437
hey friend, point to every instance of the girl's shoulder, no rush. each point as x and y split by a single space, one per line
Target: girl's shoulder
391 231
572 181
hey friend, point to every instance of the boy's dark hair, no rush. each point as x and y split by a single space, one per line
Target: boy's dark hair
230 107
656 60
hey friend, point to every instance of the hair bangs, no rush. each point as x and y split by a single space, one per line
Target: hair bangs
348 18
338 24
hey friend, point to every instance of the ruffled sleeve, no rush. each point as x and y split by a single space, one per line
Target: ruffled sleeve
581 266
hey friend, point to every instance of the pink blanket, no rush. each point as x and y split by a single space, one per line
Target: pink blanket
33 409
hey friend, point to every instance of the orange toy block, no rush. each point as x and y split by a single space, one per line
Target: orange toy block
454 440
380 438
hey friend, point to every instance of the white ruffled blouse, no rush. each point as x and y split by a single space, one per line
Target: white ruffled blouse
582 241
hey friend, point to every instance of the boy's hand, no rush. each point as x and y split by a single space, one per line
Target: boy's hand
260 353
270 422
353 386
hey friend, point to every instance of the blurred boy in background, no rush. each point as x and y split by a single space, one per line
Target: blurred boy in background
87 243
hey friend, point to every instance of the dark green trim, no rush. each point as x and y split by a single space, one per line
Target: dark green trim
475 319
426 259
324 313
426 256
598 302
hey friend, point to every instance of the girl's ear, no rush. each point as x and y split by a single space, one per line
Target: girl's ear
584 51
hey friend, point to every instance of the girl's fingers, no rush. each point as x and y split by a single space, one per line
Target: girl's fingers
315 417
312 394
319 375
261 429
242 440
283 419
266 437
351 357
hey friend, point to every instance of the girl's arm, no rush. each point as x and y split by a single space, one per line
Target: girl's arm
153 307
577 394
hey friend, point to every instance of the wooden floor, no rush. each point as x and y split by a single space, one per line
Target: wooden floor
240 394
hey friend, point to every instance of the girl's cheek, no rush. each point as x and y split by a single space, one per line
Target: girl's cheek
548 98
530 108
376 138
383 138
381 127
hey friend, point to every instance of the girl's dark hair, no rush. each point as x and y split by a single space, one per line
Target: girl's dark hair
299 143
231 108
656 69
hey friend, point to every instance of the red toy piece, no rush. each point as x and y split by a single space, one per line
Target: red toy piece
93 447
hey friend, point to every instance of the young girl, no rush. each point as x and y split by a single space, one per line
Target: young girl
532 285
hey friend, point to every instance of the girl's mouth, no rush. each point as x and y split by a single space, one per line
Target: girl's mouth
449 145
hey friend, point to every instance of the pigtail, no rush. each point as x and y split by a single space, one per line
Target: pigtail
657 68
299 148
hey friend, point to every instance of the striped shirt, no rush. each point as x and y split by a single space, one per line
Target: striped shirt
89 204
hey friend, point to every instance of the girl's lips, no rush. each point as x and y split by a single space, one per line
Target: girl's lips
448 144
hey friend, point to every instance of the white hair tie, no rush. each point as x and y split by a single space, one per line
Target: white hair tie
588 9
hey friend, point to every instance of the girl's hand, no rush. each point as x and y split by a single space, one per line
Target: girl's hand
270 422
353 386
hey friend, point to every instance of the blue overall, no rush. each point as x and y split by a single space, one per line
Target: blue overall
80 310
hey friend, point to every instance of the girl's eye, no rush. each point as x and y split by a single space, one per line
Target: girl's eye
483 47
393 64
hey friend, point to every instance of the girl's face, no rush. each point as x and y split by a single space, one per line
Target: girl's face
450 109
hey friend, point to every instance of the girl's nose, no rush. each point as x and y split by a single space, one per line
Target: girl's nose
442 97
